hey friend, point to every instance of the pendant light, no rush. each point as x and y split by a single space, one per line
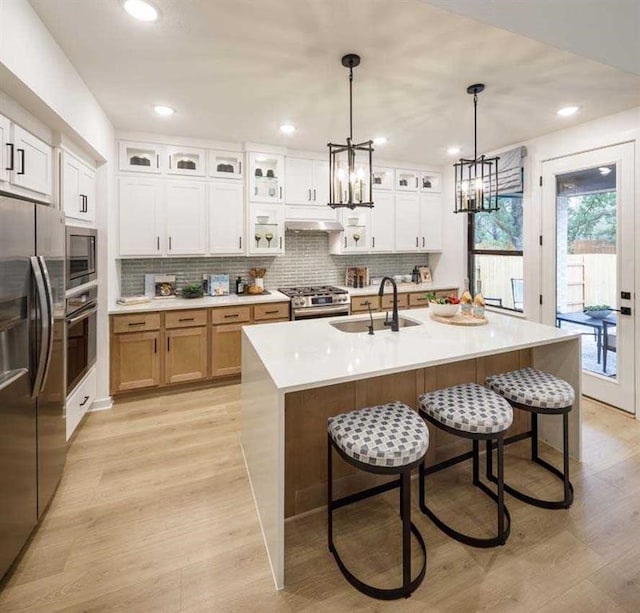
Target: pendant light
476 182
350 172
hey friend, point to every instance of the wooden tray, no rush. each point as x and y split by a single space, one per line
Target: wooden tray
460 320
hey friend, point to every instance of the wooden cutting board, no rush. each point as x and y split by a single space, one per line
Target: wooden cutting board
460 320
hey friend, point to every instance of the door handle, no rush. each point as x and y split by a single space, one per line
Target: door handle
169 243
85 400
423 241
158 243
45 325
168 343
239 242
417 241
314 194
21 153
281 193
281 242
309 195
240 167
373 242
11 157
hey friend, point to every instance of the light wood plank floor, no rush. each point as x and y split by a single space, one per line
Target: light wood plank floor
154 513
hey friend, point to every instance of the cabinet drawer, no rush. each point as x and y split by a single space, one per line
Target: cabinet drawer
185 319
136 323
231 315
262 312
418 300
80 401
360 303
386 301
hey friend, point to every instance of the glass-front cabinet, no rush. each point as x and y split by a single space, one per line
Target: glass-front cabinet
266 229
266 178
186 161
140 157
383 178
226 164
356 230
430 182
407 180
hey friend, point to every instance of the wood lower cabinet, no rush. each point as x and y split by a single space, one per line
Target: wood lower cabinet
135 361
186 355
226 342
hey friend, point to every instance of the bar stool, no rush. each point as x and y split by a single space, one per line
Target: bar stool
474 412
389 439
539 393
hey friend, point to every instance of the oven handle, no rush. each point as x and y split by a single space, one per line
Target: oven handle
334 310
83 315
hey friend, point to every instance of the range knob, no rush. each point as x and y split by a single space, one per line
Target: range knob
298 301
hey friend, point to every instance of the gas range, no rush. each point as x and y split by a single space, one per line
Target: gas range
317 301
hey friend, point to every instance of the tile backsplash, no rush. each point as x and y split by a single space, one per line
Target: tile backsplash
306 262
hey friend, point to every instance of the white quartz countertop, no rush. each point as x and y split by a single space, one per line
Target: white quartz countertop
312 353
173 304
403 288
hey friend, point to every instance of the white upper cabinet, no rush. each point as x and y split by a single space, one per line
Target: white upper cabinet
6 152
186 161
407 215
32 163
407 180
142 222
431 219
186 218
266 178
226 218
356 235
382 226
141 157
226 164
78 189
430 182
307 181
383 178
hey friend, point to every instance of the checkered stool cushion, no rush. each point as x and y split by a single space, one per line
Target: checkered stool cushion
533 388
468 407
388 435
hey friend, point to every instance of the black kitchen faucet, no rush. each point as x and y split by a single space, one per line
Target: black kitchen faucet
394 323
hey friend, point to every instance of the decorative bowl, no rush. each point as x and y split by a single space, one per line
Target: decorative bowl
444 310
598 314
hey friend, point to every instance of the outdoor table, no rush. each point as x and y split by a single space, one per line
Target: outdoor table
597 324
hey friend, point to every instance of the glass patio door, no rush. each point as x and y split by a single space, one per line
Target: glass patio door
588 265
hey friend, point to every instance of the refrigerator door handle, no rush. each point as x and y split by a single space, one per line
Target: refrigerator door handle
10 376
47 286
45 327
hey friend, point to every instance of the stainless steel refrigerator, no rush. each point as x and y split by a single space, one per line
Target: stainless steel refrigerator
32 378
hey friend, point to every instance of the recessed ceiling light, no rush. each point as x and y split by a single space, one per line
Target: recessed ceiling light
287 128
567 111
380 140
143 11
604 170
163 111
453 150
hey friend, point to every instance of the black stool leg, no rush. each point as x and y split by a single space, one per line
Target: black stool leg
329 495
534 437
405 509
501 533
476 462
568 489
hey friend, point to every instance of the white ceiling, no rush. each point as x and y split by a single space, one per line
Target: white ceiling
235 69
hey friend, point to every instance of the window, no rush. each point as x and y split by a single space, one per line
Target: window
495 254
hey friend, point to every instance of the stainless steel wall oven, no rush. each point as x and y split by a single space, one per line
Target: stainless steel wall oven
81 256
81 319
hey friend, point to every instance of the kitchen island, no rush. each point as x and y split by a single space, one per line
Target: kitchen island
297 374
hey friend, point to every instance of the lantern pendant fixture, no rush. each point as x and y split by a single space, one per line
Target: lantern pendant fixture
350 170
476 180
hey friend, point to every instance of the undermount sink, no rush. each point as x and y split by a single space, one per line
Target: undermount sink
362 325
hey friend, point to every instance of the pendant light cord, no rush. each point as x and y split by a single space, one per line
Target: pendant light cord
475 126
351 102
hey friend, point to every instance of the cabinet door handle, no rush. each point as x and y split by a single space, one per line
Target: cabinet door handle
169 162
314 194
86 399
281 242
168 343
155 345
373 242
86 203
81 203
416 182
21 154
240 167
345 242
281 193
169 243
158 243
423 241
239 242
136 323
271 312
417 242
231 316
157 160
186 319
309 196
11 156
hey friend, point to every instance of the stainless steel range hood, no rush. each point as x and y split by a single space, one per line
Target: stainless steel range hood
313 225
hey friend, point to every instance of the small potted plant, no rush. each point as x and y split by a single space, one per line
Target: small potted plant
597 311
446 306
193 290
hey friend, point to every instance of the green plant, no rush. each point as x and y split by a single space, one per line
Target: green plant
443 299
596 307
193 290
